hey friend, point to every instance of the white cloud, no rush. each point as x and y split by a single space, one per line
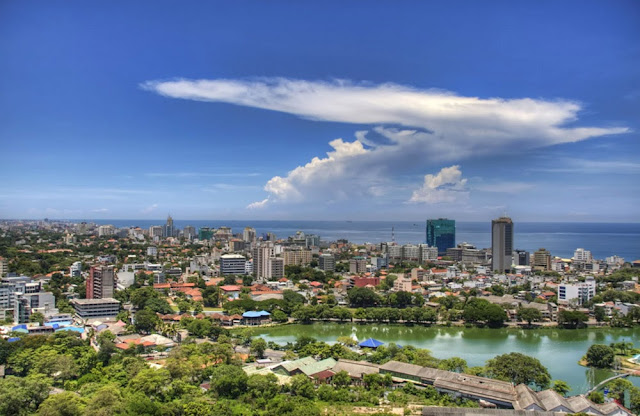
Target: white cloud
447 186
149 209
100 210
434 126
258 204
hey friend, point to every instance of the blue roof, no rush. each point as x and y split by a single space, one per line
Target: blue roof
371 343
19 327
13 339
254 314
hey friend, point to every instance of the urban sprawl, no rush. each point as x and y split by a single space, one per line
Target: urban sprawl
160 321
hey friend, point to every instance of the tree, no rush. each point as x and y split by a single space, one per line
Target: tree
258 345
152 383
596 397
62 404
571 319
302 386
599 313
561 387
529 315
228 381
22 395
263 386
362 297
519 369
454 364
184 306
146 320
341 379
601 356
37 317
279 316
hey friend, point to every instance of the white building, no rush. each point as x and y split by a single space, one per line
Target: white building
232 264
152 251
76 269
578 292
106 230
582 256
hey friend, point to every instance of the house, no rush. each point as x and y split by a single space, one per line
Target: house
231 291
256 318
356 369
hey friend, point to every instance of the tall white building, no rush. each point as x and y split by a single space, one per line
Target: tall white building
261 255
582 256
4 266
76 269
106 230
155 231
249 235
275 268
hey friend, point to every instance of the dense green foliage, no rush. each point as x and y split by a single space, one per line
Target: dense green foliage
601 356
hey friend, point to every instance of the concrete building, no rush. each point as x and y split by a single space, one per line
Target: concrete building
542 259
101 282
261 255
441 233
428 253
521 258
358 265
76 269
275 268
579 293
189 232
205 233
96 308
249 235
27 303
168 229
4 267
327 262
402 284
501 244
155 231
297 256
232 264
152 251
106 230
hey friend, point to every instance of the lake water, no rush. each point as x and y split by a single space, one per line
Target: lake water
603 239
558 349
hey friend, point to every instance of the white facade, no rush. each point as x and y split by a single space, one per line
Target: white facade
582 256
106 230
579 292
232 264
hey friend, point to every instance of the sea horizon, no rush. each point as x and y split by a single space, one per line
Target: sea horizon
603 239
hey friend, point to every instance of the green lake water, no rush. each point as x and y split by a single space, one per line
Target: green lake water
558 349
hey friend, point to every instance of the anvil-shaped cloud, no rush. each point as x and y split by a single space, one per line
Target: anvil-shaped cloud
436 127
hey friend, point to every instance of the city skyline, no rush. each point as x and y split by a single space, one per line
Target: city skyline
317 112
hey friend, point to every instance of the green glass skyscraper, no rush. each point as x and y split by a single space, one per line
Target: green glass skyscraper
441 233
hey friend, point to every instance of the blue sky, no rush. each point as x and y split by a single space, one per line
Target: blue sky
325 110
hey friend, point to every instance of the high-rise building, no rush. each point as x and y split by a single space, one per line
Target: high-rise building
441 233
232 264
582 256
358 265
275 268
261 255
327 262
156 231
101 282
169 230
541 259
297 256
106 230
521 258
4 266
249 235
189 232
501 244
205 233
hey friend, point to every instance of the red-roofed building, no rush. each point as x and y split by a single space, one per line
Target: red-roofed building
231 291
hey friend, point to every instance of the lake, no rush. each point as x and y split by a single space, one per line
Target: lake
558 349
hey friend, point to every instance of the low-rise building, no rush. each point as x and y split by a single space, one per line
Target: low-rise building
96 308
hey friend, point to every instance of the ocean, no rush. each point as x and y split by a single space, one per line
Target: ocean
561 239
